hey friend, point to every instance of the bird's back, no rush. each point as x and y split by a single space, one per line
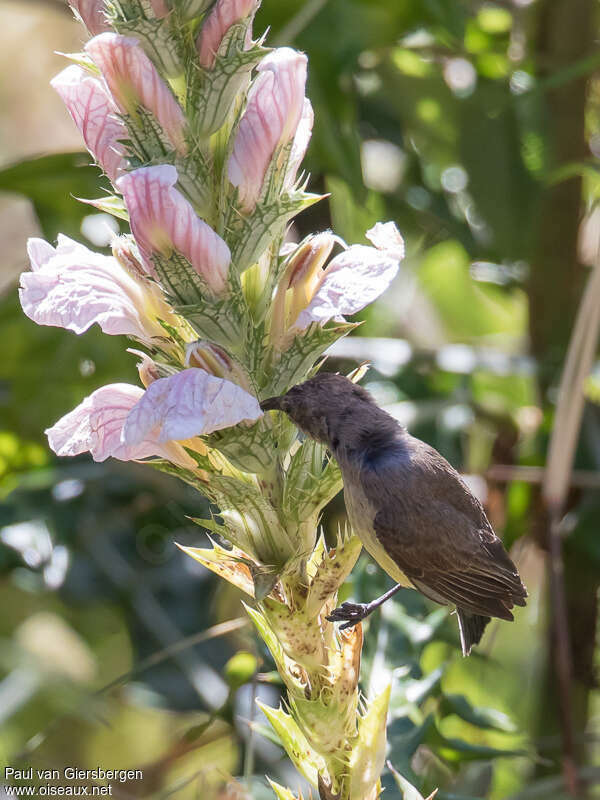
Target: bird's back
422 524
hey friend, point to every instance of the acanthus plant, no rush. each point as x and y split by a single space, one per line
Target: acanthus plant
202 131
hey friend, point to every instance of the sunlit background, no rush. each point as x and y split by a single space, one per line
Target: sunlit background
476 127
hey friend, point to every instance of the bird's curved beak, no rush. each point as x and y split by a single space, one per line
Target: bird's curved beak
271 404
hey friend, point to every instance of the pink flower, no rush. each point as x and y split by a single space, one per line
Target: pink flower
275 107
97 424
300 143
355 278
72 287
92 13
94 113
160 8
224 14
134 80
163 220
188 404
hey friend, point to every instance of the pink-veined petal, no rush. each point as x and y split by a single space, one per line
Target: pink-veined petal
94 113
92 14
352 280
97 424
189 404
223 15
162 219
72 287
275 106
300 143
133 79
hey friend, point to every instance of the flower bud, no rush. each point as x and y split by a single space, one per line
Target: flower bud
123 248
147 369
275 106
214 360
134 80
305 268
223 15
95 114
299 281
163 220
92 13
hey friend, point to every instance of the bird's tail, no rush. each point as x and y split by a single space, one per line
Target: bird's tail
471 628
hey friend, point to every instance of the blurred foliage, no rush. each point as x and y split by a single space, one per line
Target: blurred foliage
435 114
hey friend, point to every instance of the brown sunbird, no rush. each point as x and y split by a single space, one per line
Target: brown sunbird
410 507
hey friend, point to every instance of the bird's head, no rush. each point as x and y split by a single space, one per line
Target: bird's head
322 406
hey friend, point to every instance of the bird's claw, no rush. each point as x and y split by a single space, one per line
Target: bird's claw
350 614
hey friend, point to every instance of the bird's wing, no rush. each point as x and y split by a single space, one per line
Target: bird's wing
437 532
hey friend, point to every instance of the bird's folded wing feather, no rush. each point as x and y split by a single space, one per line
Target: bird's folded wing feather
438 534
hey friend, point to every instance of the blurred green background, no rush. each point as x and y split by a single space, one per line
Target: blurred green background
473 125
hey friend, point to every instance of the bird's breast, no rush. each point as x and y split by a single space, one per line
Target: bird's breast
361 514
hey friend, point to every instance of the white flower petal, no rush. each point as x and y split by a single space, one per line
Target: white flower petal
97 423
72 287
189 404
39 252
386 236
352 280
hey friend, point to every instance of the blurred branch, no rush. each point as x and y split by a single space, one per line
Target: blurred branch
206 681
222 629
565 38
555 485
571 398
505 473
299 22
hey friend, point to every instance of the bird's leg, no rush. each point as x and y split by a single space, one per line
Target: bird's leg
353 613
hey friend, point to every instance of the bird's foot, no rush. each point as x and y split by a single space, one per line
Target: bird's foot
350 614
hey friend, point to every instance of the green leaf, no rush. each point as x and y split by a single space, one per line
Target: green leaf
250 236
52 183
250 521
111 204
468 309
281 792
233 565
409 792
328 569
294 364
179 279
211 92
457 751
147 143
368 754
481 717
155 37
419 690
313 478
306 760
250 449
223 321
